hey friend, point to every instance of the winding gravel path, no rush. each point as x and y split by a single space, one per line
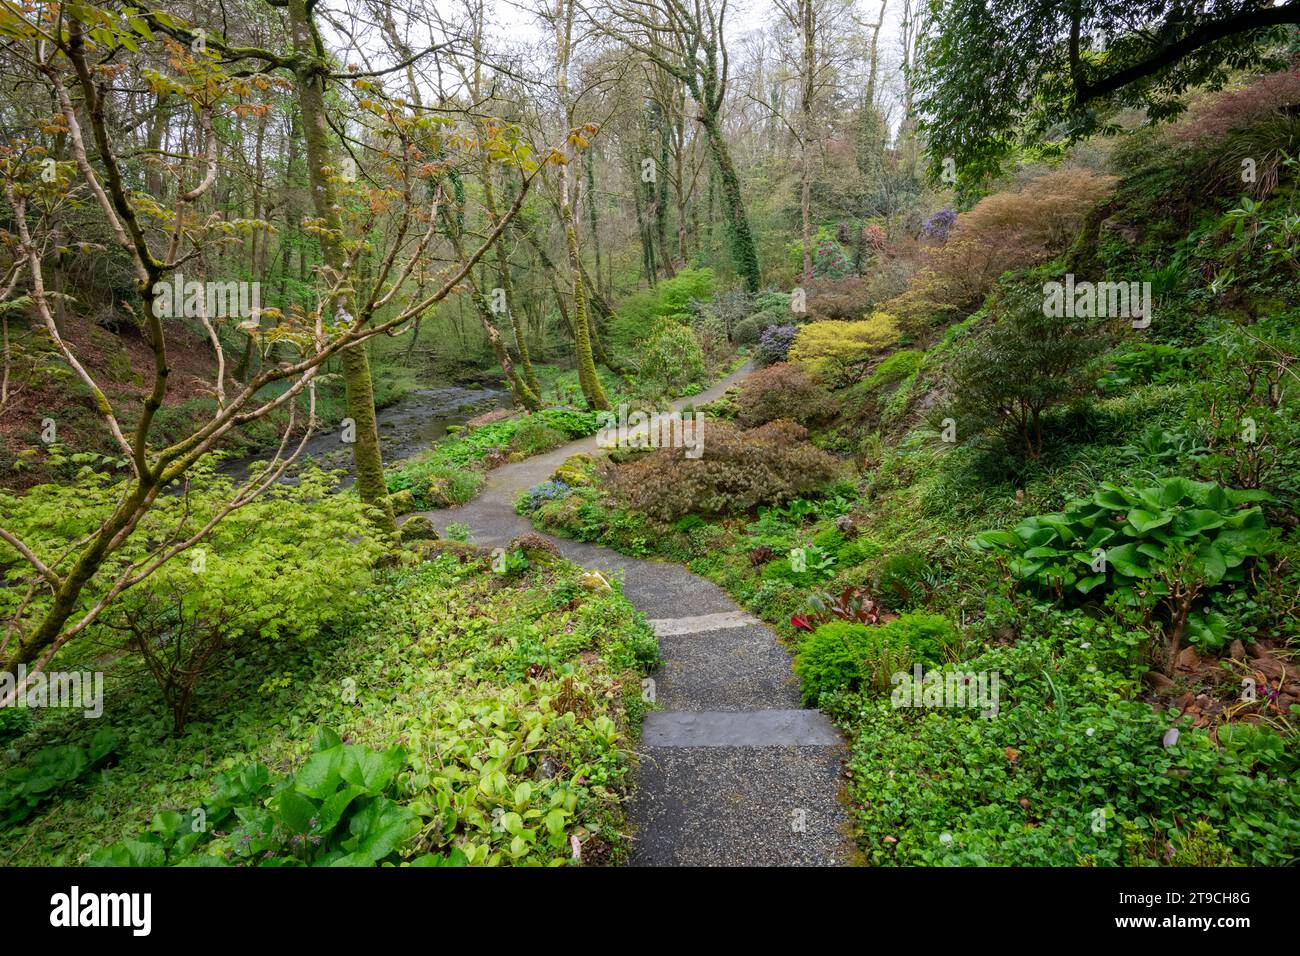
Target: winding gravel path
731 772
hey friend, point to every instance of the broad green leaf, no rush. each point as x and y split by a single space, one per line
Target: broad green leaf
555 820
381 827
373 771
1124 559
1196 520
1084 585
296 811
319 776
325 739
1212 564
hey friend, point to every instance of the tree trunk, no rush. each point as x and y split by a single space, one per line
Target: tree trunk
587 377
661 194
508 290
739 237
525 395
593 215
358 386
592 390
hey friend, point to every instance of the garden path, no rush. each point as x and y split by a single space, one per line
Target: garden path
731 770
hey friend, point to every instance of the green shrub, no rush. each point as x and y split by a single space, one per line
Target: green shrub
841 656
285 564
1139 533
831 659
1172 541
931 637
638 313
533 438
671 359
1018 367
25 787
747 330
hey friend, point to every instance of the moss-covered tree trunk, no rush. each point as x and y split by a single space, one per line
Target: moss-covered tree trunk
525 395
588 380
358 386
740 237
508 287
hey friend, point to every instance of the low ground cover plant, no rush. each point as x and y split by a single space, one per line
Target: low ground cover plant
513 697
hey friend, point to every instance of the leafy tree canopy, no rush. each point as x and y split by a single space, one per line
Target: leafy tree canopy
997 74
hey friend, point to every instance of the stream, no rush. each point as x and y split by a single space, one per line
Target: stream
407 427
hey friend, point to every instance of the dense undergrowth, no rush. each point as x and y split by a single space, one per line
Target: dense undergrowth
453 715
1051 591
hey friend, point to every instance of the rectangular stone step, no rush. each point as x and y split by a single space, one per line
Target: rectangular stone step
753 728
666 627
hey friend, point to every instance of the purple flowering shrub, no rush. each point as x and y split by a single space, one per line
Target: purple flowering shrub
940 224
774 344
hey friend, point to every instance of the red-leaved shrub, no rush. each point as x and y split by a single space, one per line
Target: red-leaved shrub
738 471
839 299
1004 231
782 391
1212 118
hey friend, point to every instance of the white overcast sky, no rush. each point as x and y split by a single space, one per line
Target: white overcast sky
515 23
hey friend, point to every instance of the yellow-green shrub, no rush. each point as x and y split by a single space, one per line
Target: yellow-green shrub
838 352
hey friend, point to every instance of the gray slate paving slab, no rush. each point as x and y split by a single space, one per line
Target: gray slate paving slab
739 728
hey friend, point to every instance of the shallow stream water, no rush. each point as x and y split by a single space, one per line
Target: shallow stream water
406 428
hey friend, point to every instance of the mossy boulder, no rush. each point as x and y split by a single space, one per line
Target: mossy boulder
417 528
468 553
403 501
564 517
578 470
623 455
536 549
437 492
